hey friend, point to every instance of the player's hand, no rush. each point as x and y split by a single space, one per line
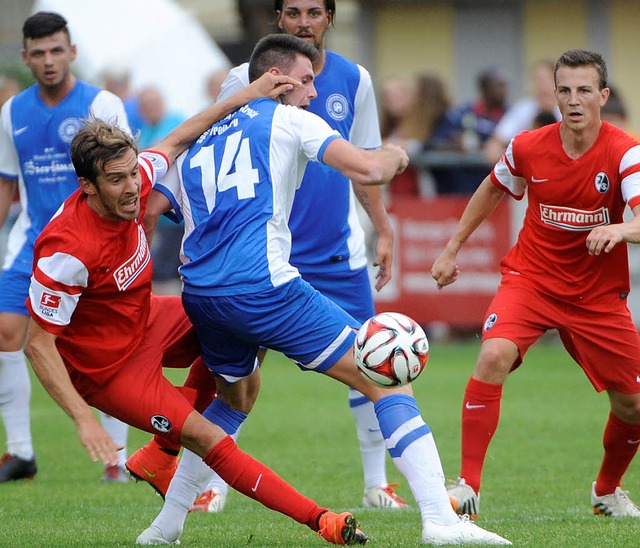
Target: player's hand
384 259
401 153
272 85
96 441
604 238
445 271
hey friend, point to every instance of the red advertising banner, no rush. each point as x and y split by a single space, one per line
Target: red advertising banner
422 228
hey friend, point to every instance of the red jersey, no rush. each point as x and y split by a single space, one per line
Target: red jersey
91 281
567 198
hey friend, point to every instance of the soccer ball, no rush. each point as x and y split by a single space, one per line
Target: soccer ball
391 349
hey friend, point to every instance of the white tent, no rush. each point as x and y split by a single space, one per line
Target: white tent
157 41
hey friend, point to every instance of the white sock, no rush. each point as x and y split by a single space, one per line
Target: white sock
15 396
187 485
414 452
118 431
420 465
372 447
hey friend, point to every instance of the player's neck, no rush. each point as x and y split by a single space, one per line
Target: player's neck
318 65
576 142
52 95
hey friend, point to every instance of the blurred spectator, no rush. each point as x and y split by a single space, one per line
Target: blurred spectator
543 118
214 84
520 116
395 101
117 80
615 112
158 122
473 124
476 121
425 126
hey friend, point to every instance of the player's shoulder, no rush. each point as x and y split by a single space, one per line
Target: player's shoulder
67 227
337 64
615 137
240 71
544 136
25 99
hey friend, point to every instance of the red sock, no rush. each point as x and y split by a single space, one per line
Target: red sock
252 478
620 443
480 415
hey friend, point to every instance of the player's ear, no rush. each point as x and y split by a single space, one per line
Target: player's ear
87 186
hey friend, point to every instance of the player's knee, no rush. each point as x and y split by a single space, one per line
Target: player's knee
13 331
495 361
626 407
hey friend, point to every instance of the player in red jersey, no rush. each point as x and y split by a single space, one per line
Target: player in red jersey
97 337
566 272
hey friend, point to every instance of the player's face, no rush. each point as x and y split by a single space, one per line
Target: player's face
49 59
301 96
579 97
117 195
306 19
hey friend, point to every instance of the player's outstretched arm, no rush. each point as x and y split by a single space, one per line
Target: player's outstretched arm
605 238
268 85
366 167
484 200
48 366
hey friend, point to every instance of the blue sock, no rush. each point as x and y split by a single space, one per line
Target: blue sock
226 418
400 422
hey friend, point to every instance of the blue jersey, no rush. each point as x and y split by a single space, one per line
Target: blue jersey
234 188
35 142
346 102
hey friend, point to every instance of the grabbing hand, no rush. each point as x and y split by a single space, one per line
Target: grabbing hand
273 85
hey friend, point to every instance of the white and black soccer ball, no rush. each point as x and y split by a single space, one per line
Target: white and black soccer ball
391 349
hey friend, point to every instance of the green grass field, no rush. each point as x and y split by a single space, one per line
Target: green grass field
536 483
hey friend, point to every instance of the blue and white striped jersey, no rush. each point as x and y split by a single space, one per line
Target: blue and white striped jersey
234 188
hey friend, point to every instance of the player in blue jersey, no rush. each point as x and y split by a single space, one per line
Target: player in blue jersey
36 129
235 189
332 258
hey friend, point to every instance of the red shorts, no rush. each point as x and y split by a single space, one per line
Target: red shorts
138 393
601 338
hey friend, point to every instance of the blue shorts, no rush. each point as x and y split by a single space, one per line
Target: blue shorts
350 290
293 318
14 290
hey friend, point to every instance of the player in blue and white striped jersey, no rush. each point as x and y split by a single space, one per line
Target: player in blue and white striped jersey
328 243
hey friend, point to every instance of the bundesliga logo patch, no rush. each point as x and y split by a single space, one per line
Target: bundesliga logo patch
49 300
49 304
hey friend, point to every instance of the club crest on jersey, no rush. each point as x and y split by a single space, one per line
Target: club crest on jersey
337 106
602 182
161 423
68 128
126 273
573 219
490 322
